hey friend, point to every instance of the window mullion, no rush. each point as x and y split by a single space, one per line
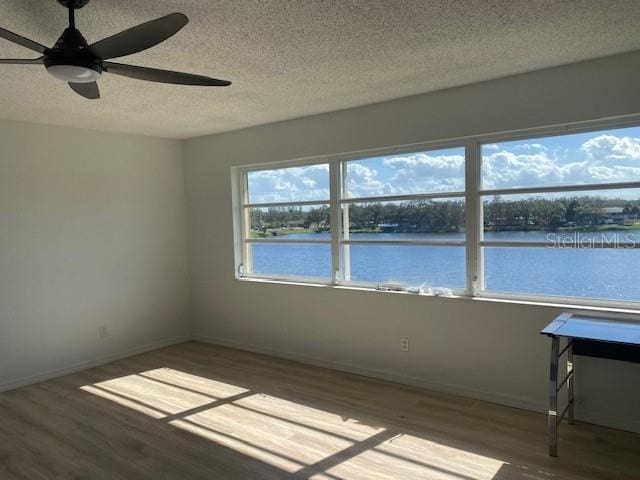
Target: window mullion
345 249
247 251
473 219
335 220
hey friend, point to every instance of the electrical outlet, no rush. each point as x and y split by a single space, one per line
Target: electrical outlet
404 344
103 331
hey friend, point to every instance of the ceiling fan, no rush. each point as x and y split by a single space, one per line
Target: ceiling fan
79 64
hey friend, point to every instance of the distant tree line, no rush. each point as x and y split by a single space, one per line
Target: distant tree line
419 216
539 213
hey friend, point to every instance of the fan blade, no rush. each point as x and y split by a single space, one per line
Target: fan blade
87 90
21 61
22 41
162 76
139 38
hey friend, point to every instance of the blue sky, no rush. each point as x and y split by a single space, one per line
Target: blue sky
598 157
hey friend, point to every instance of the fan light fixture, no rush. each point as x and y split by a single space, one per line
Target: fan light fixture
74 73
74 61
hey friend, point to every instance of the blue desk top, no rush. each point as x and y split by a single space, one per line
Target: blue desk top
594 328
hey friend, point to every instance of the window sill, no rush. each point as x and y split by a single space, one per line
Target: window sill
616 307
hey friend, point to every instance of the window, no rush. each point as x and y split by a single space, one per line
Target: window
403 220
547 217
286 223
561 215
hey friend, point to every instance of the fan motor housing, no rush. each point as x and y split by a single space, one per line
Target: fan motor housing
75 4
72 49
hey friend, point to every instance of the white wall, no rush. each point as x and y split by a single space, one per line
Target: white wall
486 349
92 232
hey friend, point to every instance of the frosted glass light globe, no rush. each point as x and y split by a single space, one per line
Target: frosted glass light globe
74 73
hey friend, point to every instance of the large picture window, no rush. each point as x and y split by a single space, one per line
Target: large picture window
555 216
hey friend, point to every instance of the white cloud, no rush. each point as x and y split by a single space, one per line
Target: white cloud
529 146
290 184
609 159
418 173
423 162
363 182
421 173
610 147
509 169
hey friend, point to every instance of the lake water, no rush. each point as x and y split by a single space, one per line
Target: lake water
609 273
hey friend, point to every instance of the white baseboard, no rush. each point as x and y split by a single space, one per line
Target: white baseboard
387 375
95 362
598 417
585 415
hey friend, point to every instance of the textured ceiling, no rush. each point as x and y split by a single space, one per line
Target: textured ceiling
292 58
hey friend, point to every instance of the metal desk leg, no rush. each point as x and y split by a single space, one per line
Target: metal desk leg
570 381
553 397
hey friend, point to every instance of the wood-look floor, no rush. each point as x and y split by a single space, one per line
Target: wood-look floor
195 411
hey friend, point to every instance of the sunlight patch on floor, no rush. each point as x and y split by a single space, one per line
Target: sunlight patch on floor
407 456
151 394
308 442
123 401
308 418
254 448
188 381
290 440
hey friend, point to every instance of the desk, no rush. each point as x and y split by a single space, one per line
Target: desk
586 335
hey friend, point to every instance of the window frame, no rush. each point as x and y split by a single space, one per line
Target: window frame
343 200
473 195
245 221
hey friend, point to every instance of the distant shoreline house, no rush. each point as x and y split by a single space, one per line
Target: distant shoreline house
387 227
615 215
606 216
296 223
519 221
